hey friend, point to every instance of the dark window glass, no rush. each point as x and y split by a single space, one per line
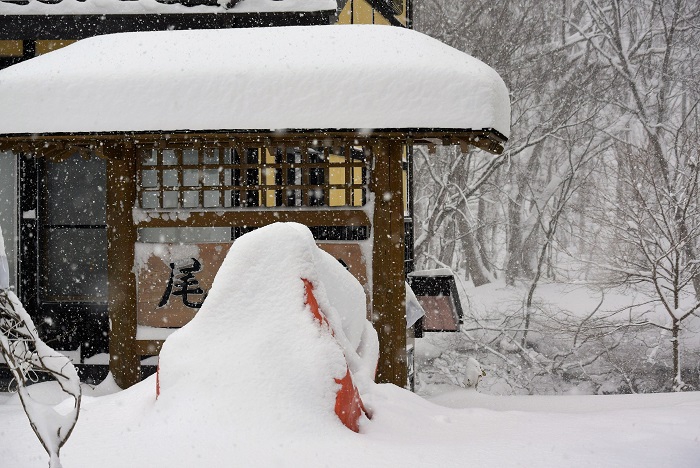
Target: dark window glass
75 264
76 191
74 235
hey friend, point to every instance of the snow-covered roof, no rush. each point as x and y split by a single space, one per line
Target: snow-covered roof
131 7
318 77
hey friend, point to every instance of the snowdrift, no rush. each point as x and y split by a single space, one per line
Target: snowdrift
257 345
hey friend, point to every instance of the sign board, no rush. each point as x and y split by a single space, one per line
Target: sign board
436 292
440 313
174 279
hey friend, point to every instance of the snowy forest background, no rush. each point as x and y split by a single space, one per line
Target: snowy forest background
578 247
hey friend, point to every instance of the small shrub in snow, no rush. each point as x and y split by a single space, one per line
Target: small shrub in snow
25 353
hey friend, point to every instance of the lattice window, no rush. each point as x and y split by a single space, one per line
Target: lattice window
236 177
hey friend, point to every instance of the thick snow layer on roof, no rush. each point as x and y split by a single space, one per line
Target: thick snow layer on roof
255 344
131 7
340 77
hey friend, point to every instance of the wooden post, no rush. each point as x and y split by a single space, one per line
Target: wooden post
124 362
388 289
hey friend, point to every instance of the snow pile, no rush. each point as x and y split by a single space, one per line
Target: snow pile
254 356
131 7
313 77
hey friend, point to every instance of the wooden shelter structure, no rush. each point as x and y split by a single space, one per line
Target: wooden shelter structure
242 128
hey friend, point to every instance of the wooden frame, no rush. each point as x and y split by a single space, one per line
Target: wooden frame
383 151
41 26
48 229
124 363
234 176
388 290
64 145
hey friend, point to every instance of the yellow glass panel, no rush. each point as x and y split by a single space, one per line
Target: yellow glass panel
337 197
337 175
334 158
46 46
269 177
357 193
11 48
357 197
270 198
270 173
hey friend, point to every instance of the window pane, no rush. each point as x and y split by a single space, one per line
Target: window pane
211 177
190 199
211 199
76 190
76 265
190 177
169 157
190 156
150 200
254 178
170 200
211 156
170 178
149 178
149 157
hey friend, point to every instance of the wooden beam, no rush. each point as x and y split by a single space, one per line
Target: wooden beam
388 289
240 217
124 361
148 347
488 139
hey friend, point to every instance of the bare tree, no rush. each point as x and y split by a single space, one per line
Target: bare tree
551 82
650 51
448 185
25 353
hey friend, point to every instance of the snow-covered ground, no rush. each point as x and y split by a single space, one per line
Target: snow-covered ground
452 428
582 339
249 382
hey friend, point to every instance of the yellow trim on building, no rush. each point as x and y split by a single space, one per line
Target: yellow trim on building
345 15
361 12
47 45
11 48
